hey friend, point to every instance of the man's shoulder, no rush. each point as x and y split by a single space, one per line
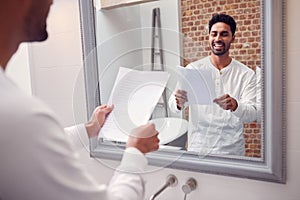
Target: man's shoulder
21 103
17 107
241 66
199 63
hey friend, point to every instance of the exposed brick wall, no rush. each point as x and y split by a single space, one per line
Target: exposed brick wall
196 15
252 135
246 48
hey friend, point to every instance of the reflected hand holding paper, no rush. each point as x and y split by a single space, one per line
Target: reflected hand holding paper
181 98
196 87
226 102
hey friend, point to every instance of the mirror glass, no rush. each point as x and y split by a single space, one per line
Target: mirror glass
166 35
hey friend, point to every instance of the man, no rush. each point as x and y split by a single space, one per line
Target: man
218 128
37 161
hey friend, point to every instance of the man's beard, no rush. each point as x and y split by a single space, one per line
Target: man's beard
217 52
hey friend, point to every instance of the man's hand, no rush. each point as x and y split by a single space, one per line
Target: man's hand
226 102
97 120
181 98
144 138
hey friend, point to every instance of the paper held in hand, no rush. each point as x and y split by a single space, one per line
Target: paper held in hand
198 84
134 96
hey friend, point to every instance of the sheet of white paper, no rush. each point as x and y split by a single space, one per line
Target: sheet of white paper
134 96
199 85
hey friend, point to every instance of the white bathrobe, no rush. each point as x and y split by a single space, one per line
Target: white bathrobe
213 130
39 160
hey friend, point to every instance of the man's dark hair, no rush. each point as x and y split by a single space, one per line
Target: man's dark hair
222 18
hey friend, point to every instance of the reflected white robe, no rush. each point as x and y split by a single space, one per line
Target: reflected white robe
213 130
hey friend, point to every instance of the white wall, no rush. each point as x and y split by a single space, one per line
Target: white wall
170 38
57 64
118 45
124 39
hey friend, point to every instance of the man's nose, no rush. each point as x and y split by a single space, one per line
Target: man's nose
218 37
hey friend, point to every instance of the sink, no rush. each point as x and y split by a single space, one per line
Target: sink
170 128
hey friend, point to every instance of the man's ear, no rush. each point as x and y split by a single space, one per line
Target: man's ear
233 38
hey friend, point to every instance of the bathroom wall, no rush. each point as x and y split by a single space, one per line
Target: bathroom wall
118 45
56 64
126 39
57 73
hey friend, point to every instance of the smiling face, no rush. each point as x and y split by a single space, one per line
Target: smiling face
220 38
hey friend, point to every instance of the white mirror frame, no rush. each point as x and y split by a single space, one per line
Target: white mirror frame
272 165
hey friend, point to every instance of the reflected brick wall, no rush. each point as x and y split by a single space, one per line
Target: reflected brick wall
246 48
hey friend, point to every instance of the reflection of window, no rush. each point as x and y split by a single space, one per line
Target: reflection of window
108 4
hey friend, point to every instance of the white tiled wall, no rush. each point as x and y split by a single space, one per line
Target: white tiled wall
56 69
56 64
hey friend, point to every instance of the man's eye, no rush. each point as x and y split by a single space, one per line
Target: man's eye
225 34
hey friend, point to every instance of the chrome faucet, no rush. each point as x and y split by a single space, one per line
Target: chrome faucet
171 182
189 186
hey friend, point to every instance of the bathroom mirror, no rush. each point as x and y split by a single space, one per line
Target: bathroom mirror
121 37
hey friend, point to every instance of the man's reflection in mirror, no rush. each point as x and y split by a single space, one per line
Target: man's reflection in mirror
218 128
